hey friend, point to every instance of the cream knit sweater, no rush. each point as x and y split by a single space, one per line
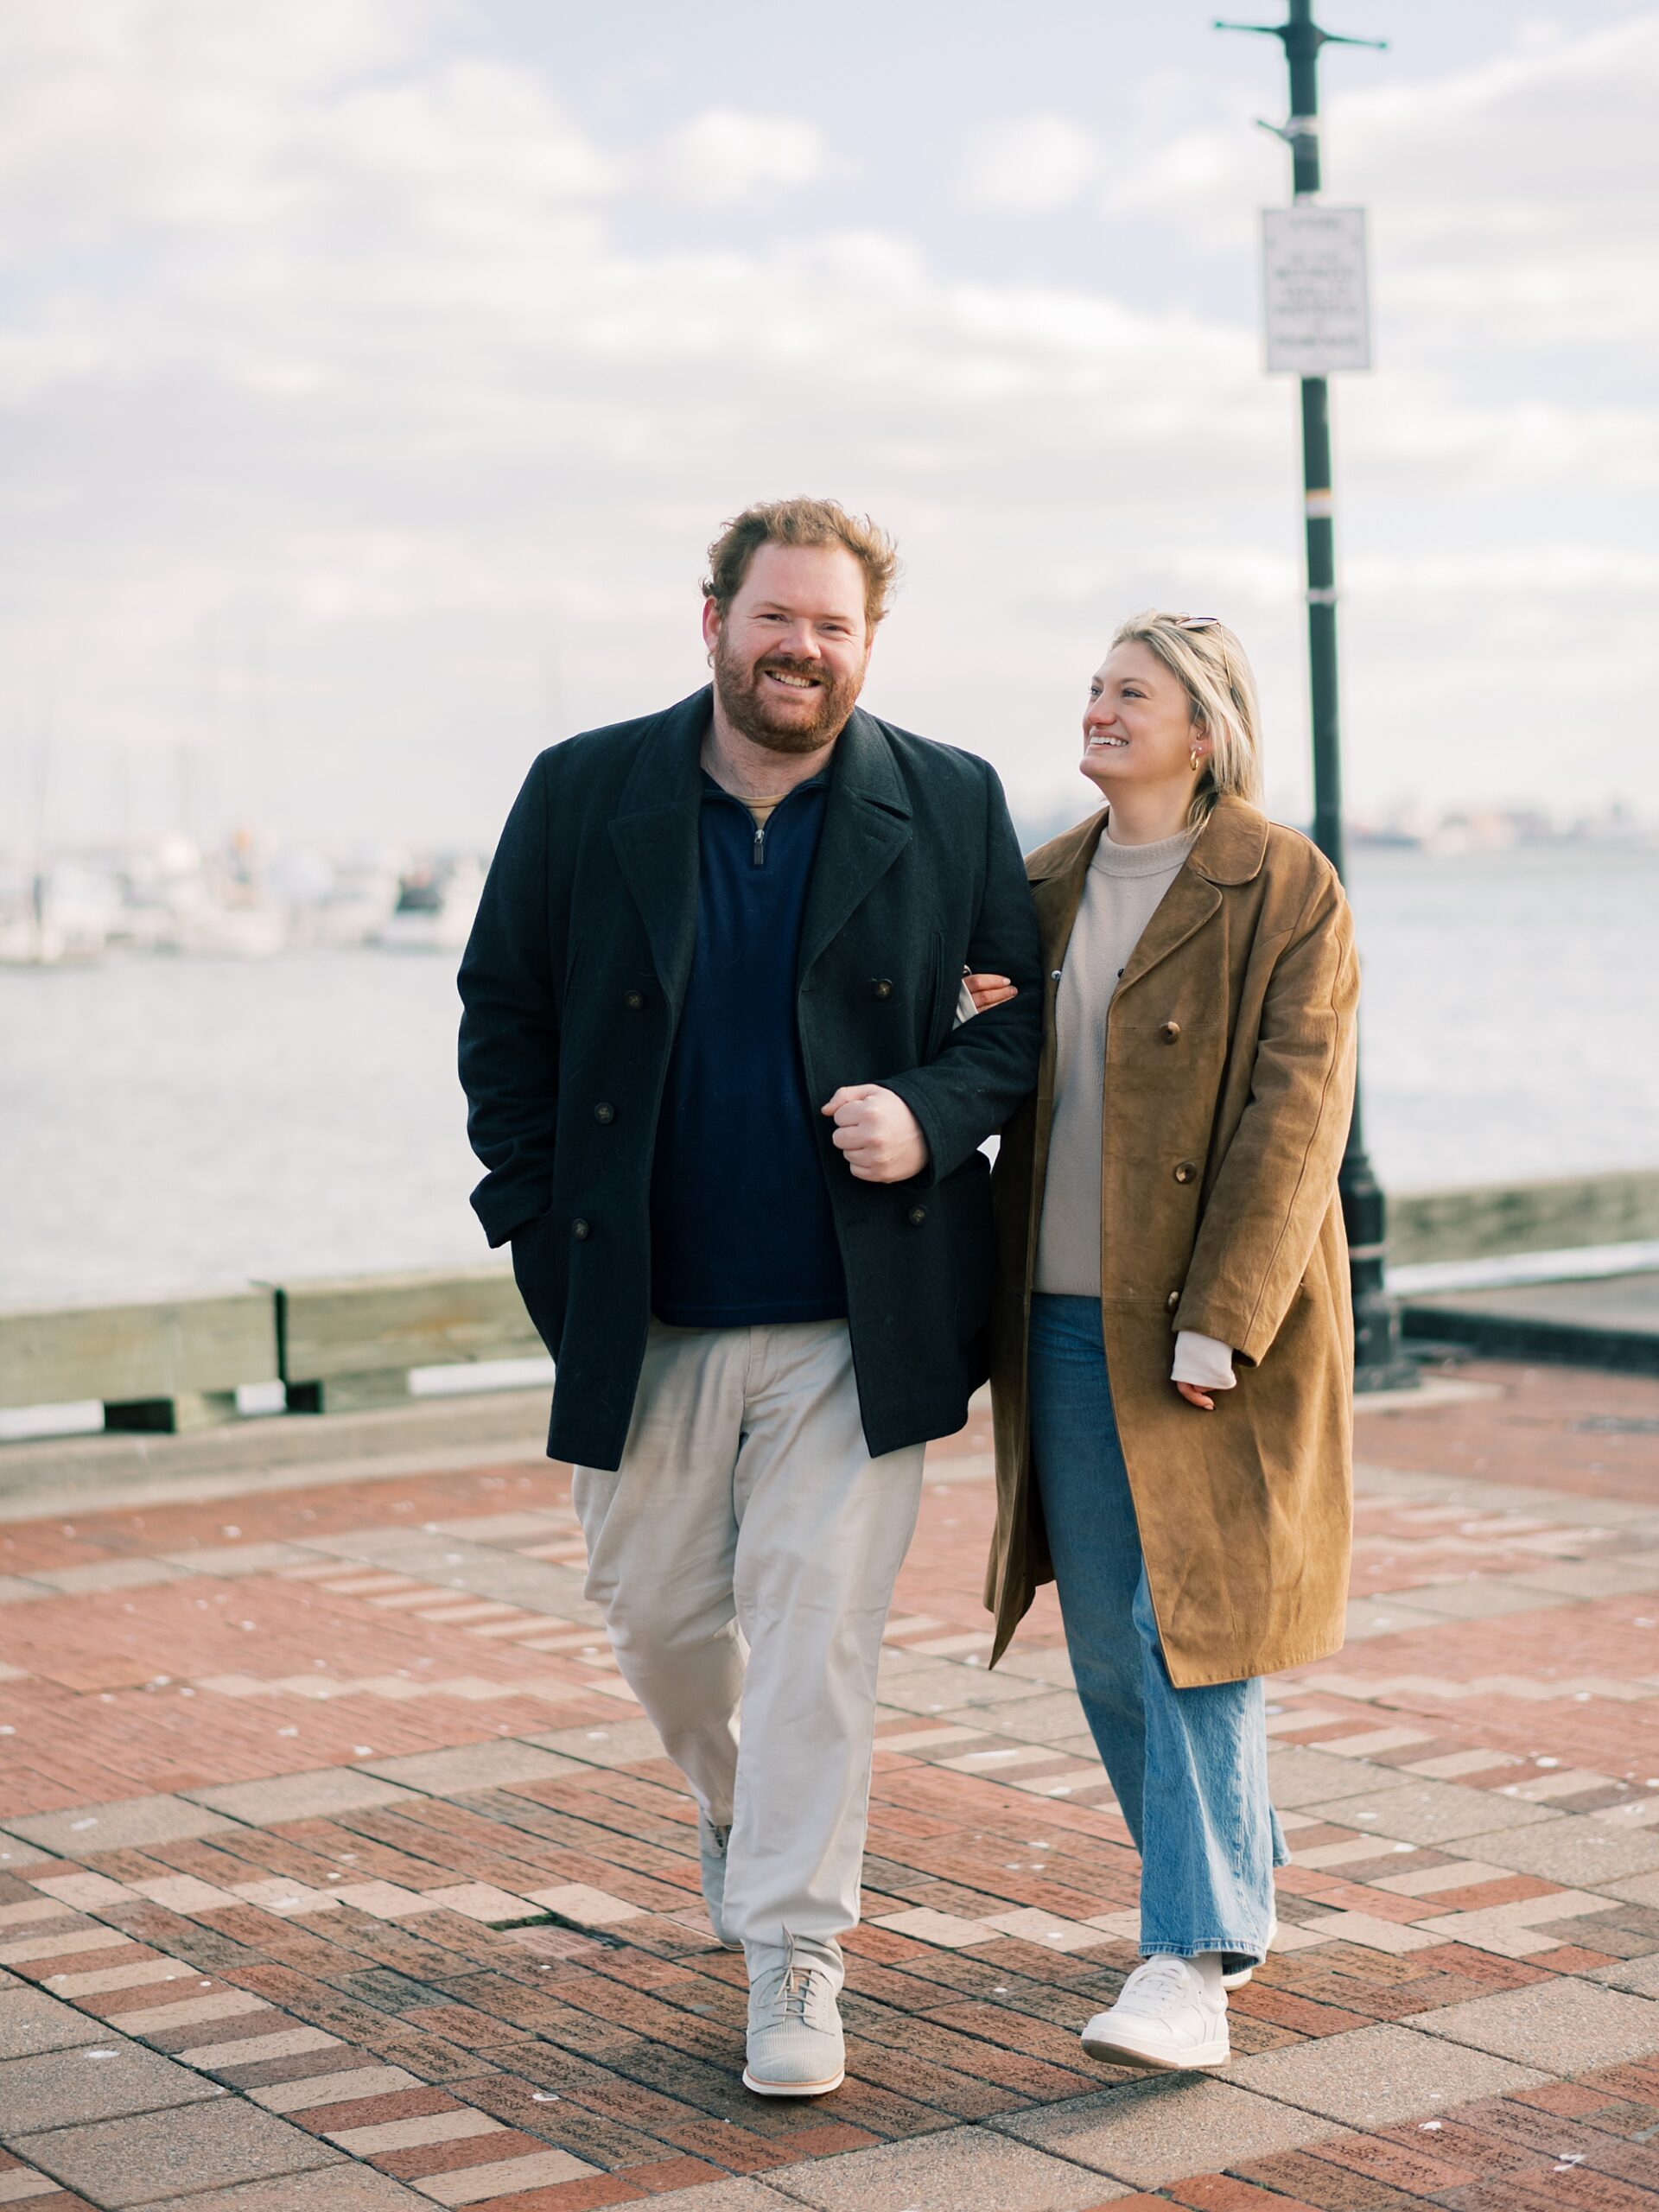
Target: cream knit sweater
1124 887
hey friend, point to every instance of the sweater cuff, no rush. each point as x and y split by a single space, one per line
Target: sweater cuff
1204 1361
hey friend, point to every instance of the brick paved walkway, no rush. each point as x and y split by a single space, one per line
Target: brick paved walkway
338 1869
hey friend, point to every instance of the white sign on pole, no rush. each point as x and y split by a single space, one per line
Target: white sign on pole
1318 312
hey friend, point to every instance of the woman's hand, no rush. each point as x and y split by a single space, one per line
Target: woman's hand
988 990
1201 1364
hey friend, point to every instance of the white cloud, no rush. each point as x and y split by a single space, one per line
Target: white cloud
1512 198
118 113
1029 165
723 155
365 453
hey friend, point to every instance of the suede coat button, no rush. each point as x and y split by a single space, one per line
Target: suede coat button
1171 1302
1186 1172
1169 1030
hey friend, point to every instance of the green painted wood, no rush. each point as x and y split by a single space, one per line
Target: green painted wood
367 1324
1495 1221
176 1416
123 1354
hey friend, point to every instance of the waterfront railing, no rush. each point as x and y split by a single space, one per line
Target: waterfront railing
350 1343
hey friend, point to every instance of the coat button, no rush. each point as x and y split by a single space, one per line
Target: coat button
633 1001
1169 1030
917 1216
880 988
1186 1172
1054 975
1171 1302
581 1232
604 1113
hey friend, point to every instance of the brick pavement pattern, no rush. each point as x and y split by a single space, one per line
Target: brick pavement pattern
339 1869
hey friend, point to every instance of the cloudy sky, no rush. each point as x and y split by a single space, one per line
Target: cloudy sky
374 373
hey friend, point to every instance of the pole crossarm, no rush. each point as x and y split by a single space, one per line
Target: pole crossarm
1309 31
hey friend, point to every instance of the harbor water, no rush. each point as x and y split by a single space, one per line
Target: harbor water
189 1123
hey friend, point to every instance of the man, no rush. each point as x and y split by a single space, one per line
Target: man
732 1131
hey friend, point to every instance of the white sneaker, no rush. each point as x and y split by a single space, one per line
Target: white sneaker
711 1866
1171 2015
1240 1975
796 2048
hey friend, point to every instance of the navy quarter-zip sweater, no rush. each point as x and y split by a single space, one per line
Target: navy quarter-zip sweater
742 1228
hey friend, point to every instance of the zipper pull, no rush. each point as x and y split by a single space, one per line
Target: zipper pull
757 850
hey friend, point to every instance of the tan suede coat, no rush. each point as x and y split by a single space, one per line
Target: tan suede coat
1230 1083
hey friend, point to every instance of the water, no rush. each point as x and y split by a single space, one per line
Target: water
191 1124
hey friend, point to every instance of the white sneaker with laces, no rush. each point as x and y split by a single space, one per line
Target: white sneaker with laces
1171 2015
1240 1975
795 2044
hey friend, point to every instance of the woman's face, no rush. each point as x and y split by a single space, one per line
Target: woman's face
1138 728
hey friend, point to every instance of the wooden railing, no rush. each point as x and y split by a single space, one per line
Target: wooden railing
346 1344
1498 1221
336 1346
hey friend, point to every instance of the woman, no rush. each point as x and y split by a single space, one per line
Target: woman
1172 1357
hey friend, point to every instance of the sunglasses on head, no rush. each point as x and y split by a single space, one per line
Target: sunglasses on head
1198 621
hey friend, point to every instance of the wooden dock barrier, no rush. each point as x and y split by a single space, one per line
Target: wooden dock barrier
162 1367
348 1344
1500 1221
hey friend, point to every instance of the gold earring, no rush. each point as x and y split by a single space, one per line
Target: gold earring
1194 757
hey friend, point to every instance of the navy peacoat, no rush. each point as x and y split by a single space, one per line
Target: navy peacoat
572 985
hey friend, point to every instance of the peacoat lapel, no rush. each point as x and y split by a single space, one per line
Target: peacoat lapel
867 824
654 833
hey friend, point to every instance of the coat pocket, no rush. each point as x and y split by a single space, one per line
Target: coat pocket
541 1263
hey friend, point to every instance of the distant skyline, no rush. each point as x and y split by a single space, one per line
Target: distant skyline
374 373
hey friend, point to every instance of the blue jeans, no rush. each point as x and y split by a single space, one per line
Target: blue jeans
1189 1768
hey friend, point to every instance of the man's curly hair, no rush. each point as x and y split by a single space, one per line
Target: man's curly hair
802 522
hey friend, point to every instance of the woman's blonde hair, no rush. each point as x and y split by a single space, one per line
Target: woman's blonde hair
1210 664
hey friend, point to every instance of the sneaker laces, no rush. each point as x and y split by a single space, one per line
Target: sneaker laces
794 1992
798 1985
1159 1984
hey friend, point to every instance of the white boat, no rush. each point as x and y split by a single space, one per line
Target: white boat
66 912
435 910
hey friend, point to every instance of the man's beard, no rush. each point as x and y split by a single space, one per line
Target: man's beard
750 712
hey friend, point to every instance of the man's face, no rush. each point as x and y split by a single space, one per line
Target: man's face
791 650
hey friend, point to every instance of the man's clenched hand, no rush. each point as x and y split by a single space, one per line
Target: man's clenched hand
876 1134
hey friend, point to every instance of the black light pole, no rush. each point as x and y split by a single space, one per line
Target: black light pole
1379 1364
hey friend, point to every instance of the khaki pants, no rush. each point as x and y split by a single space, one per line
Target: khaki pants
745 1554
